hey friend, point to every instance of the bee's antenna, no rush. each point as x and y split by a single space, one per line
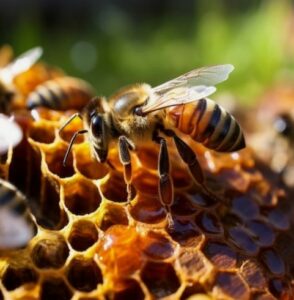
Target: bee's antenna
69 120
71 144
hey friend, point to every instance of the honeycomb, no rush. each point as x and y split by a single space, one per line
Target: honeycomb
90 244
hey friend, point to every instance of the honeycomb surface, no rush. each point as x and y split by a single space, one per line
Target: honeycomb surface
90 244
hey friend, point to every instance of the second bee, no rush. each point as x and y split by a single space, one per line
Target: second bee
61 94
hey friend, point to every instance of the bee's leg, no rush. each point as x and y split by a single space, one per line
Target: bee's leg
190 158
71 144
124 147
166 187
69 120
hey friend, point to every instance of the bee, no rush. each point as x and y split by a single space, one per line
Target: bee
61 94
139 114
17 227
21 64
273 143
284 125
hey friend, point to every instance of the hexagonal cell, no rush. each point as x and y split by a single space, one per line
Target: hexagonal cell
284 245
87 165
229 219
263 195
15 277
241 238
230 284
184 232
262 233
183 206
50 253
195 266
115 188
127 289
156 246
279 219
34 176
149 157
273 262
200 200
280 288
221 255
112 214
81 197
160 279
147 209
252 273
84 274
47 211
83 235
146 182
54 158
192 289
42 132
18 166
55 288
209 223
119 250
245 207
68 131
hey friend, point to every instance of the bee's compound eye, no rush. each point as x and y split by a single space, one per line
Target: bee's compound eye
138 111
97 125
284 124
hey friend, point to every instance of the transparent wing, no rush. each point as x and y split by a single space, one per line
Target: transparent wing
177 96
15 232
208 76
21 64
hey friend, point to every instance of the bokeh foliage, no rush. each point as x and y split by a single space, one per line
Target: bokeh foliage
256 40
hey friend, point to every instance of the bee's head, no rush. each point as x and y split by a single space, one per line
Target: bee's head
127 102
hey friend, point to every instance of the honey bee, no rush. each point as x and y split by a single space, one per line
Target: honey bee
10 71
17 227
139 114
273 143
61 94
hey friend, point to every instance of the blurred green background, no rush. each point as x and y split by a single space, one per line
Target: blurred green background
116 42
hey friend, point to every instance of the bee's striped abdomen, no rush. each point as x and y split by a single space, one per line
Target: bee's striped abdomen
61 94
16 224
208 123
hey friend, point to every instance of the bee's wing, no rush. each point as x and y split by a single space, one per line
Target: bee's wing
21 64
192 86
209 76
15 231
10 134
177 96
